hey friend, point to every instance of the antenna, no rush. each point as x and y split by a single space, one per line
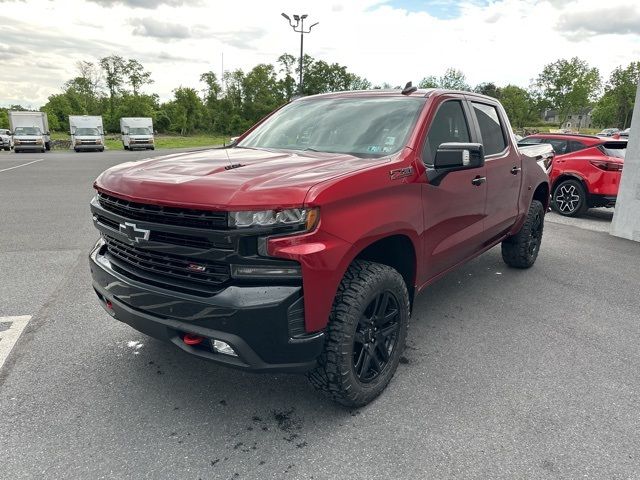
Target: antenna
409 89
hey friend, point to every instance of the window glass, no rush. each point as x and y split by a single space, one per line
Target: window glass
530 141
449 125
576 146
490 128
559 146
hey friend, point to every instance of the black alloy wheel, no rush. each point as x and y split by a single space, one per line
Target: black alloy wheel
376 337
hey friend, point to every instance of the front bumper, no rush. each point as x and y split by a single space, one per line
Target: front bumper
256 321
141 145
28 148
88 146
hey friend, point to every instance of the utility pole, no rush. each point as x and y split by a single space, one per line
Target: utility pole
298 27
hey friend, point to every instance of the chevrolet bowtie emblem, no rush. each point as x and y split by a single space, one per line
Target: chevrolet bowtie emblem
134 233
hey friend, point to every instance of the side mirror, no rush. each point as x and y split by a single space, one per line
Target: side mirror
122 133
451 157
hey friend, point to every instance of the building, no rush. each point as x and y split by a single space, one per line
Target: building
574 121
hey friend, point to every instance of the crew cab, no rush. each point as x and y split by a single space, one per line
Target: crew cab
5 139
301 247
586 170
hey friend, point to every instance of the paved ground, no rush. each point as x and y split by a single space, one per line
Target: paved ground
508 374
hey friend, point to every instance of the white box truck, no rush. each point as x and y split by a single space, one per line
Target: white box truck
87 133
137 132
30 131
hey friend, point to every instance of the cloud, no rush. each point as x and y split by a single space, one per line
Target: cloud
148 4
150 27
619 20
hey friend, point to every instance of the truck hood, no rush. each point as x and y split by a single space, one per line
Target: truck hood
246 179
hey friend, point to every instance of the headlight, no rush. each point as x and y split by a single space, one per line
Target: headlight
16 141
38 141
306 218
98 141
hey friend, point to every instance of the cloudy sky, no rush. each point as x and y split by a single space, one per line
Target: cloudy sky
505 41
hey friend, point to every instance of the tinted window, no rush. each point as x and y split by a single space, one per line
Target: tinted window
490 128
449 125
559 146
530 141
576 146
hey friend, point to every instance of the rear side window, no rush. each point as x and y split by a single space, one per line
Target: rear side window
560 147
530 141
490 128
576 146
449 125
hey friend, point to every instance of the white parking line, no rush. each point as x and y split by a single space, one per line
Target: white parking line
10 330
23 165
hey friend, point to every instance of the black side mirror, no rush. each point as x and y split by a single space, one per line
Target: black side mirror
451 157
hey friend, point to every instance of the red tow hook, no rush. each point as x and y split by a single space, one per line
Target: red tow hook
191 339
109 305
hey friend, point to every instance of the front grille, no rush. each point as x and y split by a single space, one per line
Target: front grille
173 269
184 217
173 238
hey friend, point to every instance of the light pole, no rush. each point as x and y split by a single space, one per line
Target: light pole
298 26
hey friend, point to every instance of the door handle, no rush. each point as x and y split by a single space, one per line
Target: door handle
478 181
515 170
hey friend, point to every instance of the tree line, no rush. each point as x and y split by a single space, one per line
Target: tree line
112 87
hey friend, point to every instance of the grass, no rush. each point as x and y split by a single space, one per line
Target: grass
113 142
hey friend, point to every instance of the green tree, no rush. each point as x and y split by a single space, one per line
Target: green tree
518 104
185 110
488 88
451 80
568 85
4 118
287 85
136 75
615 107
261 94
114 69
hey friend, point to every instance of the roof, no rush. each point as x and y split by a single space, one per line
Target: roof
396 92
588 139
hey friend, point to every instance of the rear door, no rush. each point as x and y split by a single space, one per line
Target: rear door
453 210
504 168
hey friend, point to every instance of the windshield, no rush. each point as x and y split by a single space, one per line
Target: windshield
27 131
90 132
360 126
139 131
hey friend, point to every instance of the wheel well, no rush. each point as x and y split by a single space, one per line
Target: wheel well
542 194
562 178
398 252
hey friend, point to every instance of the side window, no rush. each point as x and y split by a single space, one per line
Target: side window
449 125
559 146
576 146
490 128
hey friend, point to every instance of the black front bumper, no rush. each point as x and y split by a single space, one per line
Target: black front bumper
256 321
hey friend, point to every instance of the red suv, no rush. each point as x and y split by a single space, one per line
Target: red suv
586 170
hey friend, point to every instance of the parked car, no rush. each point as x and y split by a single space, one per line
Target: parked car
607 132
301 247
625 133
5 139
586 171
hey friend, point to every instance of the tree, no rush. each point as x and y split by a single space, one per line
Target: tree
568 85
615 107
185 110
288 83
114 68
518 104
488 88
451 80
136 74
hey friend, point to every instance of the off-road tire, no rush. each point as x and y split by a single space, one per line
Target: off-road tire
521 249
577 189
335 374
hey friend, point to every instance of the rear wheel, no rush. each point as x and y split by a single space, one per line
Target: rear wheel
365 336
521 249
569 198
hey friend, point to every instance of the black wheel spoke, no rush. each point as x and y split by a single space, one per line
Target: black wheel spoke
366 364
358 364
388 331
384 352
381 305
359 337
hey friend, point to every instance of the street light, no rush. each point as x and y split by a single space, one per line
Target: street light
298 27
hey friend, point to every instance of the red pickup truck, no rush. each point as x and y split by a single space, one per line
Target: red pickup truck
301 247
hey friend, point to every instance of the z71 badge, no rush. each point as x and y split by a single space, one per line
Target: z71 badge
401 173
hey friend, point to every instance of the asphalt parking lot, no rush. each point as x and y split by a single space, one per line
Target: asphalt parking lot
507 374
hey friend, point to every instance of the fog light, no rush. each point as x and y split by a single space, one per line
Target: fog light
223 347
264 272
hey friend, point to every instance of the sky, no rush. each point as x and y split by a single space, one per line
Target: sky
394 41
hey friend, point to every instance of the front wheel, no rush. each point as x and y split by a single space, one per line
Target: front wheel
365 336
569 198
521 249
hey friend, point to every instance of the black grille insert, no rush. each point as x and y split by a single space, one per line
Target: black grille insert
171 268
184 217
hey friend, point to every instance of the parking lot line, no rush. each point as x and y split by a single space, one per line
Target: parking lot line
10 330
22 165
